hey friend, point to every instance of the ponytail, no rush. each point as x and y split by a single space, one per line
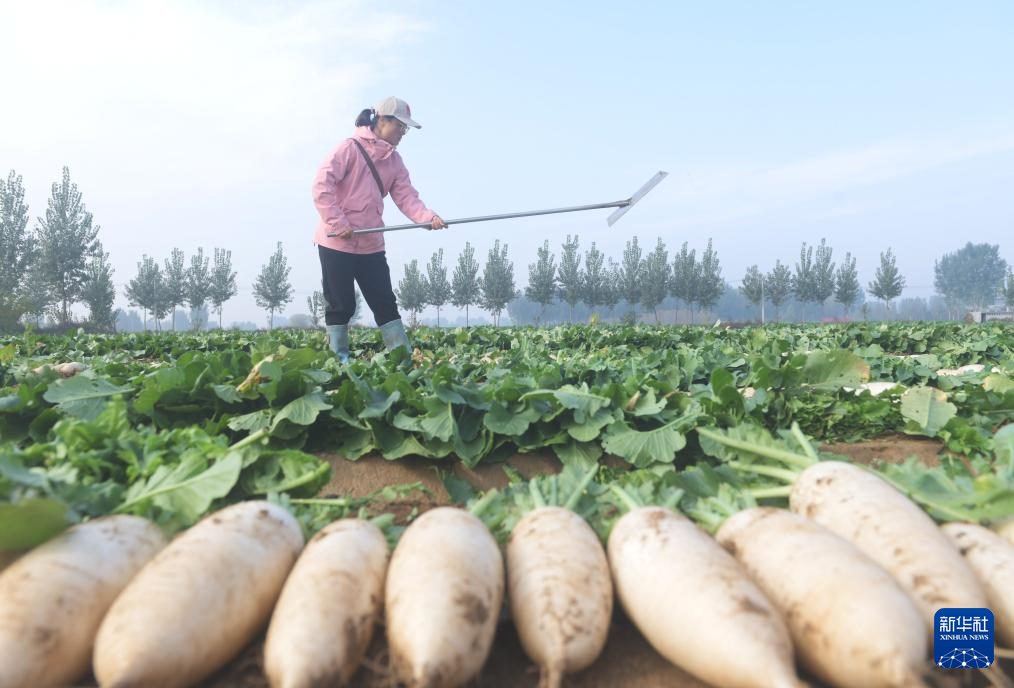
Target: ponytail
366 118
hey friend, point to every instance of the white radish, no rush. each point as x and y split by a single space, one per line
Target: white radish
992 559
962 370
53 598
876 388
325 616
200 601
443 596
69 369
561 594
892 530
696 604
852 624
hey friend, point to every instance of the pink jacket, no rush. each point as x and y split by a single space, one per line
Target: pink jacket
346 195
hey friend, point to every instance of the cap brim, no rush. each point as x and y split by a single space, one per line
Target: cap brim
409 121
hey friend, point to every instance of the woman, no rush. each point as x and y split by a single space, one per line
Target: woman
349 194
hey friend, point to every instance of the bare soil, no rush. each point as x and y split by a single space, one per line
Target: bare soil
890 449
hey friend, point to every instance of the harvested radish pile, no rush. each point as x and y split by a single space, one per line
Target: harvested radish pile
175 524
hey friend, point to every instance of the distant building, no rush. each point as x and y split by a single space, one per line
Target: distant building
990 315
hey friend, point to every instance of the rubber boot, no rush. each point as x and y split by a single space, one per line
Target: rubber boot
394 335
338 336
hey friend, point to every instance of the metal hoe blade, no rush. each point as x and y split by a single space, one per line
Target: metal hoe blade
622 207
641 193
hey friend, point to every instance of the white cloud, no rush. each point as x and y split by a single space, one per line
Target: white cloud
184 91
188 123
742 191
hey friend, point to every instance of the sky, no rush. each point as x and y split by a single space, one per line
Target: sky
201 124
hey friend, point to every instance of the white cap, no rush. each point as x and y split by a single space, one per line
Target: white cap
398 108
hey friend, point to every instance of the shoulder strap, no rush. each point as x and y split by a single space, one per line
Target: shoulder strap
373 168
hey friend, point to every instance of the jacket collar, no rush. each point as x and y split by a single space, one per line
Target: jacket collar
378 149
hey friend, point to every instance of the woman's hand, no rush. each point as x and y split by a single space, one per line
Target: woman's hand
437 223
340 232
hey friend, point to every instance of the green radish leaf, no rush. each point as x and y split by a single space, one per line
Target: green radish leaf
341 414
31 522
459 489
836 368
438 421
998 382
302 411
581 455
189 488
403 420
720 379
578 399
409 446
1003 450
581 401
288 471
506 421
472 451
395 444
927 410
643 448
82 396
319 377
354 442
379 404
251 422
227 393
953 497
647 405
590 429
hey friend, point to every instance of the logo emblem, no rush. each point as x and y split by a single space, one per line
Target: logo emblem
963 638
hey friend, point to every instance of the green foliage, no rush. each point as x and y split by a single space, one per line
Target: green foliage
223 281
438 289
541 287
172 425
597 288
98 291
65 239
412 289
972 276
16 251
497 284
570 274
272 290
823 274
710 286
778 286
175 286
657 278
753 285
888 281
465 289
147 290
630 274
198 286
846 283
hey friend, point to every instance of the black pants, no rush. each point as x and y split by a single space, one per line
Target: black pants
370 271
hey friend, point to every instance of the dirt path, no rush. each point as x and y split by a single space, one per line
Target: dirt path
891 448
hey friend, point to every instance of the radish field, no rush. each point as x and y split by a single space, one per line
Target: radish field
581 506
